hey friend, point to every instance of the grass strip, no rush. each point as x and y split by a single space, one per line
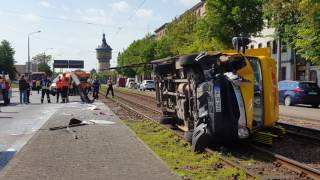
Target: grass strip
177 153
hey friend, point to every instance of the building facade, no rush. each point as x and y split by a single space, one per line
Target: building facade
199 10
292 68
104 55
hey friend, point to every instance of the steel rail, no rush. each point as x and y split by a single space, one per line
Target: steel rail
141 114
301 169
307 133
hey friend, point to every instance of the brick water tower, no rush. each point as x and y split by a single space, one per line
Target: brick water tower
104 55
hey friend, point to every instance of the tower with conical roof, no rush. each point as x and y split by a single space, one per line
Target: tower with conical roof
104 55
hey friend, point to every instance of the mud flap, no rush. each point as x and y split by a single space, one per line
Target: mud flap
200 138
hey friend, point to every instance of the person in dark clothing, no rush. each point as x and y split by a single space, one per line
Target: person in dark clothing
28 90
96 88
110 88
23 85
45 84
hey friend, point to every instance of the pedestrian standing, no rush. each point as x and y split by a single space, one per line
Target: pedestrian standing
23 89
65 88
110 88
45 84
38 87
96 88
59 88
29 86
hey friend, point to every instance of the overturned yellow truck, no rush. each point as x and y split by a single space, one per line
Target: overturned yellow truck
218 97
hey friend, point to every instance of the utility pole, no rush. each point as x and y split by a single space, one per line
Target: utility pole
29 63
279 59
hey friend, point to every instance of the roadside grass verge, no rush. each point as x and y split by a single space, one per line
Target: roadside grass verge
177 153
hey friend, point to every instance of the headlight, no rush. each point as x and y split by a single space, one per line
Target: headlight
243 132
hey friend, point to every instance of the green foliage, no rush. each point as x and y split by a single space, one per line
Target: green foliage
7 59
104 76
297 23
283 16
177 153
226 19
140 51
190 33
43 62
308 31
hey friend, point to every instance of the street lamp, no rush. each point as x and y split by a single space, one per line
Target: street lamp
44 54
29 70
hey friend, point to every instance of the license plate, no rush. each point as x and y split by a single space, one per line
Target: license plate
313 93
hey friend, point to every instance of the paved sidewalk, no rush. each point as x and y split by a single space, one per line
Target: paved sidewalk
101 151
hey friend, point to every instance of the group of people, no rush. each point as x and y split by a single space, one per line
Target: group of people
62 88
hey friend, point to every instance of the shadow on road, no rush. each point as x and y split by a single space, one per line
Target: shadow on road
5 157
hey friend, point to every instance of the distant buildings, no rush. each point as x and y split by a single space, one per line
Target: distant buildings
104 55
22 69
199 10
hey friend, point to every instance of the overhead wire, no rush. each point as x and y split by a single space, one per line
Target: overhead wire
130 17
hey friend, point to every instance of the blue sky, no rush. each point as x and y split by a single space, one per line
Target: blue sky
74 28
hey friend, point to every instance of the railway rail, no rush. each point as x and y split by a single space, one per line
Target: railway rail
145 106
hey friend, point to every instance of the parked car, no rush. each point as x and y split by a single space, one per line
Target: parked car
147 85
130 80
299 92
121 82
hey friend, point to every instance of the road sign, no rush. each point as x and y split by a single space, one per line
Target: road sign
76 64
68 64
60 64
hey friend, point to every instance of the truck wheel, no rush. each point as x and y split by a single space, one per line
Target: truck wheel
287 101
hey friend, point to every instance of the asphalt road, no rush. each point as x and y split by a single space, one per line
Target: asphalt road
300 112
18 123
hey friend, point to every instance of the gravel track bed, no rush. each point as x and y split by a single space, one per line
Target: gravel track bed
251 159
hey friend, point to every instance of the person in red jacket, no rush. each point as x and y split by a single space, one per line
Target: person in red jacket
65 88
59 88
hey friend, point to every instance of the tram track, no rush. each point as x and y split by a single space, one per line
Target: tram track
136 101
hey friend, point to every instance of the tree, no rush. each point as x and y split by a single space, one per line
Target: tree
308 31
43 61
226 19
7 59
284 17
93 72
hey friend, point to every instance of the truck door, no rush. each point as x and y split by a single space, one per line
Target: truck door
258 101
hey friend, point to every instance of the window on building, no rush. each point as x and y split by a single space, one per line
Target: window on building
283 73
252 47
260 45
268 44
274 47
284 47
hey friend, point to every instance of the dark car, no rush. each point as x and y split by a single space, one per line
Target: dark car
299 92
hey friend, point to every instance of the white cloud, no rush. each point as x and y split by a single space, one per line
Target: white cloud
189 2
45 4
144 13
120 6
65 8
31 17
94 12
93 15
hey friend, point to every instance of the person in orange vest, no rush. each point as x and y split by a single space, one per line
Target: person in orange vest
59 88
65 88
